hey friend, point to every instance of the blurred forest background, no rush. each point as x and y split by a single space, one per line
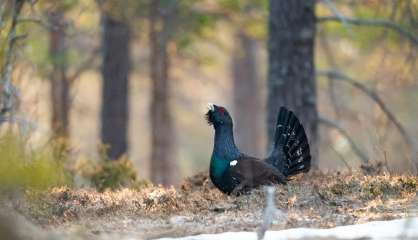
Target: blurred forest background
88 82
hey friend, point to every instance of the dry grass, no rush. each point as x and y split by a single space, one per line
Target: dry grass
197 207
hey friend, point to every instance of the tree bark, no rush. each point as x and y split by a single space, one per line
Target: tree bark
163 161
291 74
246 92
60 87
9 99
115 72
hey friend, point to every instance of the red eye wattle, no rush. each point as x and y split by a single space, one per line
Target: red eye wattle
222 110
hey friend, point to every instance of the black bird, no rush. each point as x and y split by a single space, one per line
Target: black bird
234 172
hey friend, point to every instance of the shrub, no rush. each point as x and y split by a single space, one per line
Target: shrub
23 167
115 174
110 174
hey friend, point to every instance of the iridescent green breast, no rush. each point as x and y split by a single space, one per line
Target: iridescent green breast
220 175
218 166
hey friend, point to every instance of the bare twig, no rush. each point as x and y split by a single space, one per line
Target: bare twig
329 56
38 21
337 14
87 64
373 23
331 124
350 170
336 75
269 213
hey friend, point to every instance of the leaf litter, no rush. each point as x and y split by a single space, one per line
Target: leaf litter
196 207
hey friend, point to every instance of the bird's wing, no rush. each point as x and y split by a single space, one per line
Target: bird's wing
254 172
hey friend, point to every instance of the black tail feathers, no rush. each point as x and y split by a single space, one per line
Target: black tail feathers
291 145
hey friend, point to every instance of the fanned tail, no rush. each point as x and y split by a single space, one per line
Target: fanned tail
291 154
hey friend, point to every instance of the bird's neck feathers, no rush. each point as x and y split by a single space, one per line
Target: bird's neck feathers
225 147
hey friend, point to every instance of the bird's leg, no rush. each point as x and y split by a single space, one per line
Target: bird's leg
280 177
239 187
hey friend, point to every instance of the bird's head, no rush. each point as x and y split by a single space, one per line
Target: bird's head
218 116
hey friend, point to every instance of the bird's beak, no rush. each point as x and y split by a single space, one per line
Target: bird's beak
211 107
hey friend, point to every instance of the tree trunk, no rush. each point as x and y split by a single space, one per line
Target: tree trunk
60 89
115 72
291 74
9 99
163 161
247 104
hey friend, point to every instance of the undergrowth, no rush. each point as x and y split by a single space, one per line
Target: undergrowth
22 166
372 187
109 174
321 201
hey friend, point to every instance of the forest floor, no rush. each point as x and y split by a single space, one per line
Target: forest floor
197 207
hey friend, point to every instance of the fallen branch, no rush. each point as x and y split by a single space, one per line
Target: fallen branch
338 76
373 23
360 153
270 212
